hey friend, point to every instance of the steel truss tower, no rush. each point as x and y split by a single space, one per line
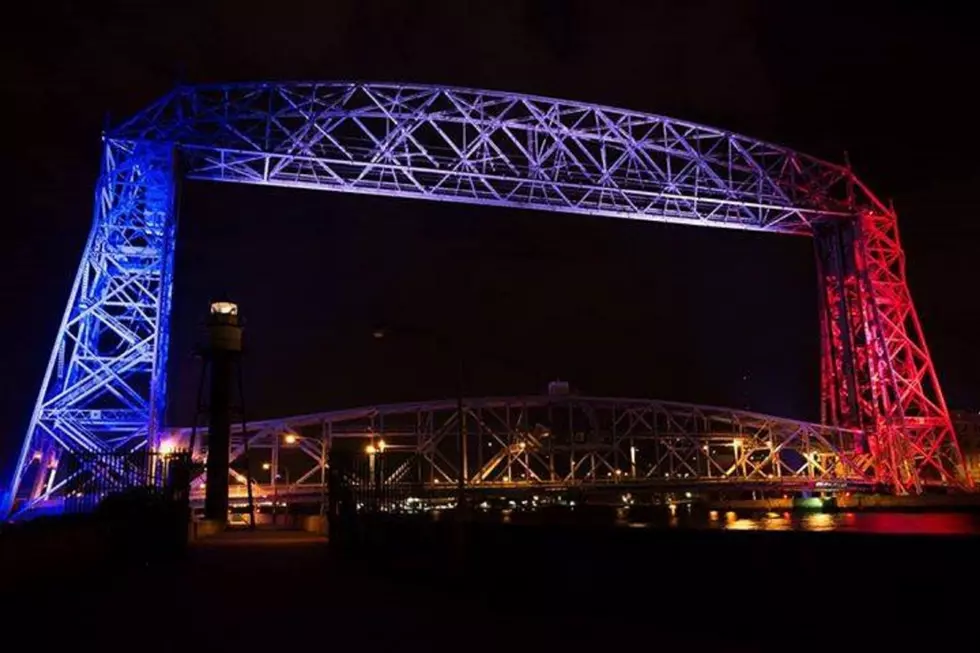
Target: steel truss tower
105 385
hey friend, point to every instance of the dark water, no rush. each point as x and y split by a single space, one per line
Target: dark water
893 523
688 517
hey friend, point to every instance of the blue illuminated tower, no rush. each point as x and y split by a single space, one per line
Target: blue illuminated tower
104 389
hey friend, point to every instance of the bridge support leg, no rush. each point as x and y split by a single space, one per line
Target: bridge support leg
105 385
876 369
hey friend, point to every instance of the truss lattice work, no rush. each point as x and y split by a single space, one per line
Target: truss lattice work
554 442
105 385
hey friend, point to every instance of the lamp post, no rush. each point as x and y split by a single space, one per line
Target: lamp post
277 470
375 452
371 451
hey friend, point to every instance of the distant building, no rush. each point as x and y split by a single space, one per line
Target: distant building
966 423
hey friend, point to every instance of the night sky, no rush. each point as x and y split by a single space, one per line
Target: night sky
614 307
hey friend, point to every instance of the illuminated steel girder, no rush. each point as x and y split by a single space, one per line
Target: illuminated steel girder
547 442
105 385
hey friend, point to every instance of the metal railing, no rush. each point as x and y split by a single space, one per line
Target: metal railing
87 480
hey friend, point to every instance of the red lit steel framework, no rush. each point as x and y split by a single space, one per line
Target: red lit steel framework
877 375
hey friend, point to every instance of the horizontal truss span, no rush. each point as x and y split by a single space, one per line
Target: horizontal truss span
556 442
487 147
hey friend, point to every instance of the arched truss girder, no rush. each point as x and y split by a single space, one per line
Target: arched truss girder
552 442
487 147
105 384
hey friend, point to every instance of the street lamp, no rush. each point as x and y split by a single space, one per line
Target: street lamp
371 451
167 447
277 470
376 469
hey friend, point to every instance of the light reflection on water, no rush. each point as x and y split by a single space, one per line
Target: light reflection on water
784 522
871 522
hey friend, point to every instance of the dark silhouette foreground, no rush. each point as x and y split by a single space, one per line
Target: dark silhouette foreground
411 586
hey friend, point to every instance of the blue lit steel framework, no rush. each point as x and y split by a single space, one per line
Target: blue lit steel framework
105 387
